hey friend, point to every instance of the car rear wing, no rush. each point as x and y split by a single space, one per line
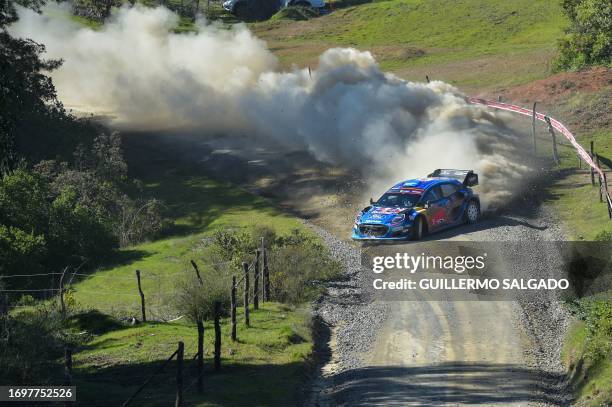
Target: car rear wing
468 177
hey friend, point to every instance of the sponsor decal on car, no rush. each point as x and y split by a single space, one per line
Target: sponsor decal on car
386 211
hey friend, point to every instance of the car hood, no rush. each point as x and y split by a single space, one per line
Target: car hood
381 215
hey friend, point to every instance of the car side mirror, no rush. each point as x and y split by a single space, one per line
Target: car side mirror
371 201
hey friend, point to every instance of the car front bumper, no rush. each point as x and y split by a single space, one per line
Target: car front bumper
393 233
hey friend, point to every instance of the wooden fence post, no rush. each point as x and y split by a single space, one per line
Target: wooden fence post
608 201
179 375
200 356
551 130
61 293
592 171
599 178
262 247
67 369
245 267
256 281
266 275
197 271
233 308
427 78
217 336
142 298
533 130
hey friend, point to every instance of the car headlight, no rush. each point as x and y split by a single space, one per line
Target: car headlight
398 218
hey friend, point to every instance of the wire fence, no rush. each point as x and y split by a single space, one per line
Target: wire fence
591 158
109 292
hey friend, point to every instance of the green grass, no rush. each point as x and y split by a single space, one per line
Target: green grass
586 354
573 197
198 206
265 367
452 36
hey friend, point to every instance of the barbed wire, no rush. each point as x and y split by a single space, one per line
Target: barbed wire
29 275
29 290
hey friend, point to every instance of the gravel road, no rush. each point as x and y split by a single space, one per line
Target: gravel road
433 352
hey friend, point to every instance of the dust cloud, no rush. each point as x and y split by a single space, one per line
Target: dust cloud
346 111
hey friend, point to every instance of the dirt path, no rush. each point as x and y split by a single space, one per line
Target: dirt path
432 352
426 352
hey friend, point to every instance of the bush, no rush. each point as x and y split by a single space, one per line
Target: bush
597 316
298 263
297 271
197 302
29 344
587 40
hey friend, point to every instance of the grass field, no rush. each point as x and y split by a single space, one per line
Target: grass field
266 366
268 363
198 206
574 198
470 43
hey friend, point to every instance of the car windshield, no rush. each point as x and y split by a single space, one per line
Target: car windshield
398 200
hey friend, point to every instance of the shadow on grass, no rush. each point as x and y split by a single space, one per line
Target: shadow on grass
125 256
173 173
240 384
95 322
237 384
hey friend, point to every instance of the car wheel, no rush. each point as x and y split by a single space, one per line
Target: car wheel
472 212
418 229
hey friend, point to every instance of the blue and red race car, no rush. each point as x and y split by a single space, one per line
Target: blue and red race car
413 208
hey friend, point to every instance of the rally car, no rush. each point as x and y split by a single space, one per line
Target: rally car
413 208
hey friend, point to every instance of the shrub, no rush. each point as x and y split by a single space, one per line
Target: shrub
197 302
297 270
298 264
597 316
29 344
587 39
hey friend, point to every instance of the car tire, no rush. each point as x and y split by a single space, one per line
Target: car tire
418 229
472 212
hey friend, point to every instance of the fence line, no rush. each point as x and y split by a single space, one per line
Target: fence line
557 125
541 117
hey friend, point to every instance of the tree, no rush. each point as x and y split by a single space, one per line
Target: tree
587 39
24 210
25 91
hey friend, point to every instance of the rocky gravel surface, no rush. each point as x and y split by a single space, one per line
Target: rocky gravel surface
543 316
351 316
355 319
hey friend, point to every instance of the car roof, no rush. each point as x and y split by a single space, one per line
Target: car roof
421 184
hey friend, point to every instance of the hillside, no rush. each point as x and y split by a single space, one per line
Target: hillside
469 43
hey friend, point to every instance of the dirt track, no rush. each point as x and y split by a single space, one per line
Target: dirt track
469 352
414 352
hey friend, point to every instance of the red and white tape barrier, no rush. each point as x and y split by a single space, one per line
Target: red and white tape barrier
555 123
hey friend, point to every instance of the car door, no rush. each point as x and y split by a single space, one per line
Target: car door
436 211
455 200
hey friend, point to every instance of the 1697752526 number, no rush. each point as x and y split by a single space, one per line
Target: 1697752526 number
37 393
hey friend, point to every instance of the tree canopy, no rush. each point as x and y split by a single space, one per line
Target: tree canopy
588 38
